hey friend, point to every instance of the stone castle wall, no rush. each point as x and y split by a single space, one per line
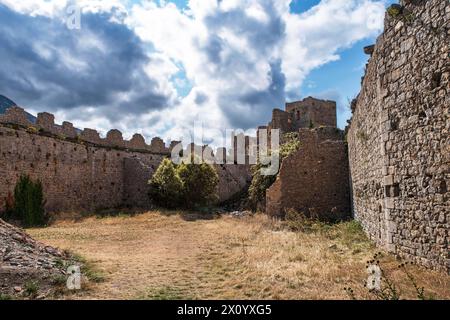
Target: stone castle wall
81 171
398 178
313 180
138 170
399 142
233 179
75 176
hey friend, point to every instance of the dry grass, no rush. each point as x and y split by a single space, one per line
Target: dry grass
171 256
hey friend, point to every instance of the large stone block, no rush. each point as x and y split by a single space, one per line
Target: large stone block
114 138
15 115
90 135
68 130
46 121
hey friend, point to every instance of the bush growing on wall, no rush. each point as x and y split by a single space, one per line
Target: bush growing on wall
260 183
185 185
258 187
29 203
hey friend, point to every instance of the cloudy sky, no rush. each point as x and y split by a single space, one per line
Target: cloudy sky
156 67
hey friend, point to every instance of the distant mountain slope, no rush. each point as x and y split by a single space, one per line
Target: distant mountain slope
6 103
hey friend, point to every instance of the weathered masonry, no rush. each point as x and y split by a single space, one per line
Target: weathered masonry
399 142
313 180
394 175
82 171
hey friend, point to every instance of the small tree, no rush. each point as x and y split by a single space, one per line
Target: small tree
199 184
185 185
166 186
29 203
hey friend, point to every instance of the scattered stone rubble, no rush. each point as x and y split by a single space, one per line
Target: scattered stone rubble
22 260
241 214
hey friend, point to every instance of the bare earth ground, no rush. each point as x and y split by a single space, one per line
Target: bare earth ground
176 256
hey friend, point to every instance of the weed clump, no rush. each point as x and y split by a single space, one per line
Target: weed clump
381 286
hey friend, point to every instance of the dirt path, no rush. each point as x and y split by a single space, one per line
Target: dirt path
157 256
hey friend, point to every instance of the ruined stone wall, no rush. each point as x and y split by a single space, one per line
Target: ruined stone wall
313 180
75 176
138 169
281 120
84 172
232 180
399 142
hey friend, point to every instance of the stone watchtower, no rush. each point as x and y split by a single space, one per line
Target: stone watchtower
312 113
308 113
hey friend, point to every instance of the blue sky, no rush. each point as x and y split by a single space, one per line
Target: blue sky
298 6
156 67
339 80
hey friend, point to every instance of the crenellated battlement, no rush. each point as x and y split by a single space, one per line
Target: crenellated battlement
15 115
45 122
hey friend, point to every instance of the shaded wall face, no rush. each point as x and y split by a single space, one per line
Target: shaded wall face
314 180
281 120
137 172
399 138
233 179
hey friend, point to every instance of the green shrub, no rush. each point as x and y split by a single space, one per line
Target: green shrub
199 184
257 190
31 288
260 183
394 10
290 145
4 297
166 185
185 185
29 203
32 130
